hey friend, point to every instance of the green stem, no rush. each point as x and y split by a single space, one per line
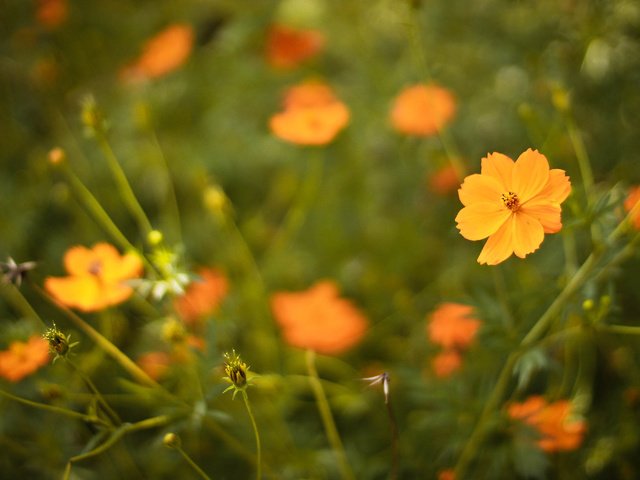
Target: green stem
62 411
123 185
125 362
584 164
193 464
114 437
621 329
113 416
245 397
14 296
326 416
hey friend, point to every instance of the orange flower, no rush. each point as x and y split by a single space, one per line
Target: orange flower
97 277
318 319
24 358
203 296
52 13
162 54
514 204
557 430
312 115
154 364
422 110
287 47
447 474
630 202
444 180
446 363
452 325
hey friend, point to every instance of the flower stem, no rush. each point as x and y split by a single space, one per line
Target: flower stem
245 397
125 362
124 188
113 416
52 408
193 464
621 329
326 416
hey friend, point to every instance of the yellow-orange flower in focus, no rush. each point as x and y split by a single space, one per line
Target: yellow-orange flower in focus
288 47
630 202
202 296
162 54
52 13
97 277
558 431
24 358
453 325
447 362
319 319
512 203
422 110
312 115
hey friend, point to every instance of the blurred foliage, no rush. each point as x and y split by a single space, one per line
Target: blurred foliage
524 73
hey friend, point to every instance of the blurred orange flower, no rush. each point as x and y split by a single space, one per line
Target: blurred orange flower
154 364
288 47
52 13
512 203
446 363
203 296
162 54
453 325
312 115
444 180
422 109
632 198
558 431
447 474
24 358
97 277
319 319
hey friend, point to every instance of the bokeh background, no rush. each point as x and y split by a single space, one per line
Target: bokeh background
523 73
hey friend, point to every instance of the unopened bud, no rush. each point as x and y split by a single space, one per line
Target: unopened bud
171 440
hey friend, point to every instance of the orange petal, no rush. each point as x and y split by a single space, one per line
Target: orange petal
80 292
547 213
499 246
557 188
480 188
500 167
530 174
479 220
78 260
527 234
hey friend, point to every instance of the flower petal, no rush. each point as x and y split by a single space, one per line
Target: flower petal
78 260
557 188
500 167
82 292
479 220
547 213
499 246
480 188
527 234
530 174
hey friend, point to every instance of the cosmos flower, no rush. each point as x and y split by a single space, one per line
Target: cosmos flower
202 296
319 319
453 325
22 359
287 47
632 198
97 277
513 204
422 110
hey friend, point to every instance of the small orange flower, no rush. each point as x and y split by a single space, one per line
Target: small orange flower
312 115
154 364
97 277
162 54
52 13
24 358
203 296
630 202
447 474
422 110
319 319
447 362
287 47
557 430
453 325
512 203
444 180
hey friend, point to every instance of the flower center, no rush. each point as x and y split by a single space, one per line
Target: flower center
510 201
95 268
